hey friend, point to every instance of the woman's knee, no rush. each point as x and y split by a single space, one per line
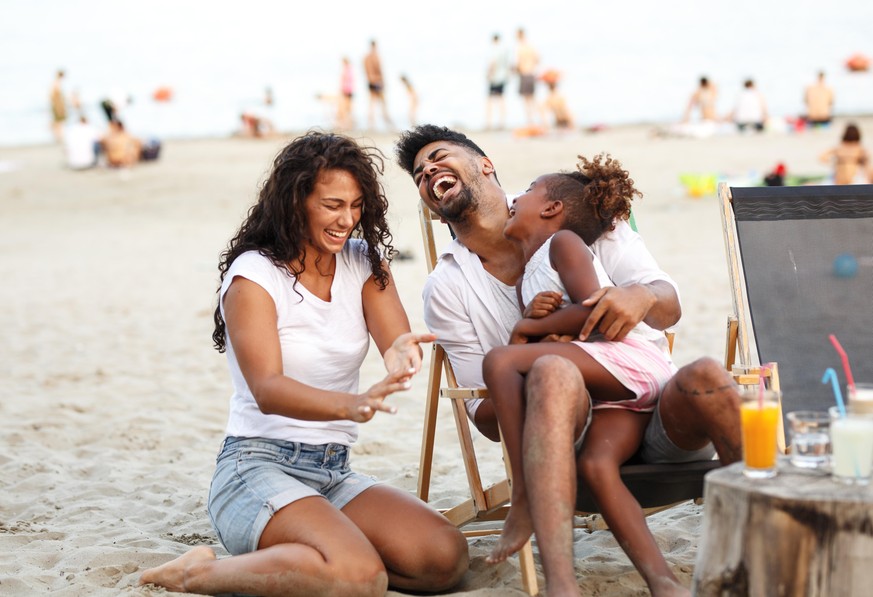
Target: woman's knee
358 574
447 559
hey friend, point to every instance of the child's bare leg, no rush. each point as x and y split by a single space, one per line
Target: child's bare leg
613 437
504 370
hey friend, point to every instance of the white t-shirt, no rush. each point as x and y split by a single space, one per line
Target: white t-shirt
79 140
459 306
323 344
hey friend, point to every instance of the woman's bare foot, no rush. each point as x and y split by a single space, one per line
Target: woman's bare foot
172 575
517 529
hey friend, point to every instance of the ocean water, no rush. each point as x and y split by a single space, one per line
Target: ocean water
621 61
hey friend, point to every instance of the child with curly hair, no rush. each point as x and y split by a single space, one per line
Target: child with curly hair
554 222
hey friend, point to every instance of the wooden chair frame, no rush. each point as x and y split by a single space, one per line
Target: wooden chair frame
738 353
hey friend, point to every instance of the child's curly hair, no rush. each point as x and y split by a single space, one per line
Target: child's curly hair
595 196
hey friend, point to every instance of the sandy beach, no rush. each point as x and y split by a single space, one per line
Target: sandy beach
114 402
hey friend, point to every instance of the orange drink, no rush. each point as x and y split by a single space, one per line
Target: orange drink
759 419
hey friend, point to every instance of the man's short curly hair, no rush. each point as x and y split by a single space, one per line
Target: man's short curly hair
411 142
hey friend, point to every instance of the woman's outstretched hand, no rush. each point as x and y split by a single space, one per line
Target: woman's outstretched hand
405 353
366 405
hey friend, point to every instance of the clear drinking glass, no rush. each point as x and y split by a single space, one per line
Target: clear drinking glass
810 438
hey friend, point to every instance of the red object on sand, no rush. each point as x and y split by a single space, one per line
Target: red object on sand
163 94
858 63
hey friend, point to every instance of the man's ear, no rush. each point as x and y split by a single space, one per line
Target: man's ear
554 208
487 166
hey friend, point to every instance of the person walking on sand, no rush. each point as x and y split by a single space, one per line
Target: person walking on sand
376 83
58 105
849 159
819 100
526 63
470 303
498 74
304 285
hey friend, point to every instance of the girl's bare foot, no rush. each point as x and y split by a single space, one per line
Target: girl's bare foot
517 529
172 575
668 587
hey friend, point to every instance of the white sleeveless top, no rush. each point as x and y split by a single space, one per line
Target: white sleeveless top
540 276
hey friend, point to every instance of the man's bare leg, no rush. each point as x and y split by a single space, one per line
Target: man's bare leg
700 404
557 410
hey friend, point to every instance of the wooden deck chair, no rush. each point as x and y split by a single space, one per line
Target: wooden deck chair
800 261
656 486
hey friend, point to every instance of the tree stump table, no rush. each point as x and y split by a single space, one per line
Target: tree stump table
797 534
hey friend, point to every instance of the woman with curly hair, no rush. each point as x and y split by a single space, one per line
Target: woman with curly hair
554 223
304 285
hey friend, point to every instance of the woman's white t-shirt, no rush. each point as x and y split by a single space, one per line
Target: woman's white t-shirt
323 344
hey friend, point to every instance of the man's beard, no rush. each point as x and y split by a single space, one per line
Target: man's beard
458 211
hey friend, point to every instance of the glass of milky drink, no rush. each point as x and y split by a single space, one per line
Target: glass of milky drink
861 400
851 446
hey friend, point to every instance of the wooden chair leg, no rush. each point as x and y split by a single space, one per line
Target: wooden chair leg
528 571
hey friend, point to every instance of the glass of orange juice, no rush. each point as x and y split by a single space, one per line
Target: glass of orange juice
759 416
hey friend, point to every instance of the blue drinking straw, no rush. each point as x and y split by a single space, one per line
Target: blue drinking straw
841 406
830 373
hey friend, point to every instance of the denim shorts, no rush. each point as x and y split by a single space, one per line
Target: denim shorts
657 447
256 477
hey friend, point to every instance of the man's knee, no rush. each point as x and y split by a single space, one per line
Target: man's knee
554 370
554 381
700 389
704 378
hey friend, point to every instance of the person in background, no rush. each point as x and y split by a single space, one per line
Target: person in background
849 159
344 119
304 286
703 99
819 100
81 142
58 104
413 99
376 83
526 62
750 110
556 103
122 150
498 74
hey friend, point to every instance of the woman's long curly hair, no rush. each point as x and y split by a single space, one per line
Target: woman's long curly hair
276 226
595 196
